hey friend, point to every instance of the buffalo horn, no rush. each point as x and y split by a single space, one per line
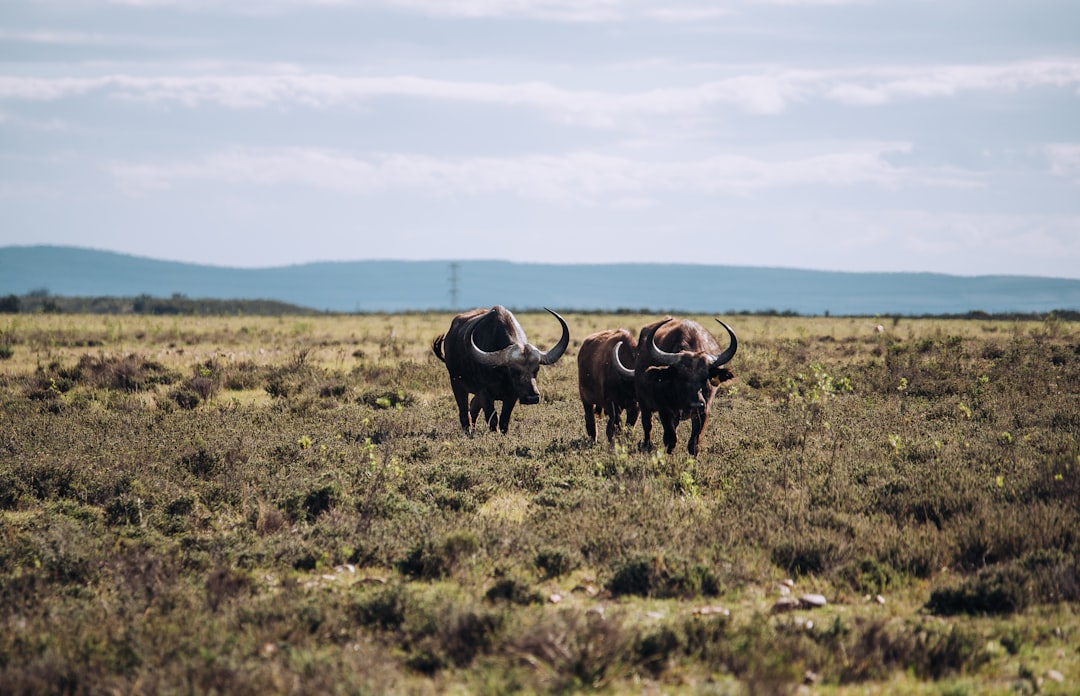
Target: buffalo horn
623 370
658 356
494 358
552 355
725 357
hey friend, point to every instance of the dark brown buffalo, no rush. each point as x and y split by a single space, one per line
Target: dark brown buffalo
679 366
603 388
487 354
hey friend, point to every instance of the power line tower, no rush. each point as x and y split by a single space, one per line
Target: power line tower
454 285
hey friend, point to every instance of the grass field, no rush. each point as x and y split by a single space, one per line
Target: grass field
287 505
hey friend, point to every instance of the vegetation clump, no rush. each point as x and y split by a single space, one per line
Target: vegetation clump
287 503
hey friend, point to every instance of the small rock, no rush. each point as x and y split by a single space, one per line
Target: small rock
785 604
810 677
880 600
783 589
596 611
1055 676
789 582
268 649
345 568
712 610
555 598
654 614
813 600
329 577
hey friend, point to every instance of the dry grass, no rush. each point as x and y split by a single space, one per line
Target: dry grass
280 505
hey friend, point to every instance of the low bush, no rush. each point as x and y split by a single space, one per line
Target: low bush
326 527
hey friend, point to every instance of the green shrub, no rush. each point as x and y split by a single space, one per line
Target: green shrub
384 609
554 563
386 399
185 397
580 650
430 561
871 576
812 553
658 577
201 461
513 591
307 506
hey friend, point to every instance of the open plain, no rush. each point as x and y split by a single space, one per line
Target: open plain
288 505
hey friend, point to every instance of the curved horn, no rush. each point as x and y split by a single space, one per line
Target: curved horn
616 362
725 357
556 352
661 357
494 358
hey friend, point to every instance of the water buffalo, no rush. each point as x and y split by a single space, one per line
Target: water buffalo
602 387
679 366
487 354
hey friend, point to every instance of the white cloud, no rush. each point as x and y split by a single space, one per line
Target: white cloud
888 85
548 10
1065 160
33 124
82 39
770 92
581 178
905 240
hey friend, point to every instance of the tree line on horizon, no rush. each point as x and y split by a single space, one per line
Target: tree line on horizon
42 302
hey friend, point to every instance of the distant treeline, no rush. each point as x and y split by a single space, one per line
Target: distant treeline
1058 314
40 302
177 305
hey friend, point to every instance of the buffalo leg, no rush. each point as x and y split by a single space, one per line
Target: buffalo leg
671 436
504 418
646 429
698 419
482 401
461 395
590 421
614 422
631 416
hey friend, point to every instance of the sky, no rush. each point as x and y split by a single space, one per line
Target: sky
853 135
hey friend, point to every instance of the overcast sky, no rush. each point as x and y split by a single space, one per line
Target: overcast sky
876 135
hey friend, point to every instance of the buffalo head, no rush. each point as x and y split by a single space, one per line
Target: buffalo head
521 360
678 369
698 372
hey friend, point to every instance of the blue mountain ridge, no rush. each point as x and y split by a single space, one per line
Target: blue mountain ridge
397 286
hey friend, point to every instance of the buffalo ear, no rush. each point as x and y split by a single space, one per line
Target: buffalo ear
720 376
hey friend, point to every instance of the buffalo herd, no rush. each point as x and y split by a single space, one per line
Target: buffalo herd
672 369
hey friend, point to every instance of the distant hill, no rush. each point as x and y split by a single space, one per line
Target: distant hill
394 286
